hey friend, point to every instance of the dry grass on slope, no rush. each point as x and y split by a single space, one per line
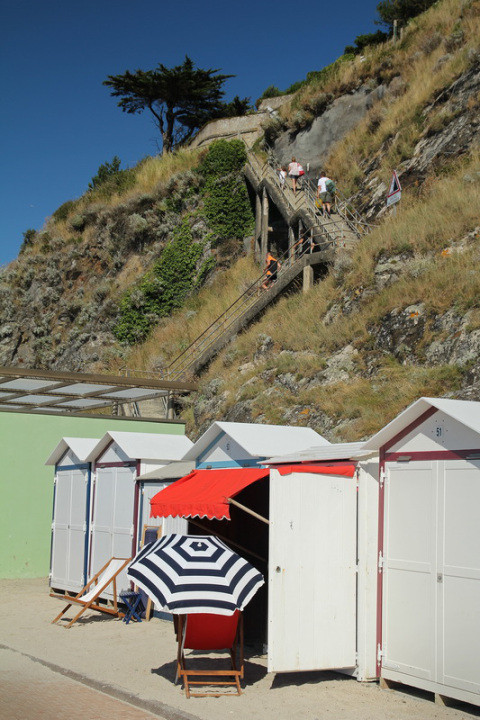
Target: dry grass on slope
155 171
435 270
149 176
398 118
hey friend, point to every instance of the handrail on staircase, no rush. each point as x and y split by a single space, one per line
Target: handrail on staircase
356 223
329 229
286 261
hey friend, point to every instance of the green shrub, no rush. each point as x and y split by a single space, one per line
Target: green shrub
78 223
64 210
110 179
401 10
270 92
28 239
227 205
45 242
363 41
224 156
164 288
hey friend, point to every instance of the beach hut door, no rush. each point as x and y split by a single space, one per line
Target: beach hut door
69 529
312 572
112 522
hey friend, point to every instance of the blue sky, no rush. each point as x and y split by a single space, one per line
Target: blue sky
58 123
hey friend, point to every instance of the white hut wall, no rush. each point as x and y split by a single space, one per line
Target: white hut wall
367 554
431 567
113 516
68 563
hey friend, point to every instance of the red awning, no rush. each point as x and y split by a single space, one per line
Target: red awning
347 470
204 493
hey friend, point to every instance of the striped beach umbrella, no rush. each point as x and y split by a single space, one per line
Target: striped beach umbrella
194 574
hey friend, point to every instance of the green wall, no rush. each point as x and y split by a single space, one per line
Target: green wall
26 483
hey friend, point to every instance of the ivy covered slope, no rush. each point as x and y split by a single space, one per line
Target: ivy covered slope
198 244
106 267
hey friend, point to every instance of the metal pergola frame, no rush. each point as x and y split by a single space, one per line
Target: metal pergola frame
70 393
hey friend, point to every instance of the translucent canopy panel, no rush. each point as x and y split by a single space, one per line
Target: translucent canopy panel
83 389
32 399
28 384
83 403
68 392
133 394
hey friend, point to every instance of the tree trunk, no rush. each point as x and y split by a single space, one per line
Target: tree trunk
167 136
167 143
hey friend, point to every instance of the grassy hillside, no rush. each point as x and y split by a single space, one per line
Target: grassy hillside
397 318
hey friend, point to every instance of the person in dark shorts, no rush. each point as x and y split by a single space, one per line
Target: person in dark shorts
271 269
325 191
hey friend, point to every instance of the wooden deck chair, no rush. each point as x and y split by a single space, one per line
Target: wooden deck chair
100 581
210 633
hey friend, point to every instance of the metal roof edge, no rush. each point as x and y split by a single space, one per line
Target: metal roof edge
415 410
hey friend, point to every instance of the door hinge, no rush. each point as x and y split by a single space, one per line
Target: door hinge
381 561
84 526
131 531
55 478
383 476
380 653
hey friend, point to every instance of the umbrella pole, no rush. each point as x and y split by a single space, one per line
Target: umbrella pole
232 542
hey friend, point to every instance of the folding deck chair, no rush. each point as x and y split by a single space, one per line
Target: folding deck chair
210 633
100 581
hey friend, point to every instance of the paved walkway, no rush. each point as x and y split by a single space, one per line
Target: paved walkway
31 691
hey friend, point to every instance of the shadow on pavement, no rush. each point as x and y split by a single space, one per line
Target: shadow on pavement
306 678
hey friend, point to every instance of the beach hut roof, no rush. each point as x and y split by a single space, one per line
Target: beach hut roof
466 412
318 453
258 440
144 446
82 447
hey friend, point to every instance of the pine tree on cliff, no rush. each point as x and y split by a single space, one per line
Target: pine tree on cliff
181 99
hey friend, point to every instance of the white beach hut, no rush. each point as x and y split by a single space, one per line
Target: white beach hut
232 444
118 459
429 548
322 560
70 516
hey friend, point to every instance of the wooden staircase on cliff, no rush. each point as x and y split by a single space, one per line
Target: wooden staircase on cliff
310 253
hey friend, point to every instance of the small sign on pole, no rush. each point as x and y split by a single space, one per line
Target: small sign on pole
395 192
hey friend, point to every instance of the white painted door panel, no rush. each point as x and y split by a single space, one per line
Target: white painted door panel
69 529
112 520
409 582
459 577
312 572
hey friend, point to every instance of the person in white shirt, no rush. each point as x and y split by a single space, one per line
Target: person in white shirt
324 192
294 172
282 176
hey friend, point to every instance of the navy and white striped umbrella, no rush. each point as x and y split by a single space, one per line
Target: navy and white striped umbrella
194 574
